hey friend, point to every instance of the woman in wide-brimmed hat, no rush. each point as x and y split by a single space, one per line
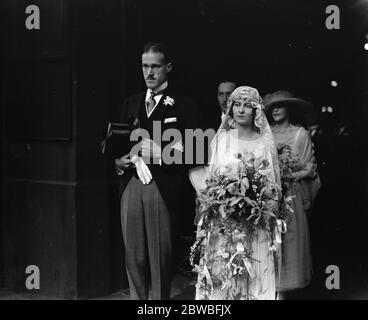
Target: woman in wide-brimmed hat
296 107
298 170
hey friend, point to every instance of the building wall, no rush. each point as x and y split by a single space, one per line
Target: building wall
62 84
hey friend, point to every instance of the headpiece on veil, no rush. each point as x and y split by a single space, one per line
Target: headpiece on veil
251 96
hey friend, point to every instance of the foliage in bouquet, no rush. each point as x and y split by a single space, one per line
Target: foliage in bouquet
242 192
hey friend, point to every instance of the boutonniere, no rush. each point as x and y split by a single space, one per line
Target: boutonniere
169 101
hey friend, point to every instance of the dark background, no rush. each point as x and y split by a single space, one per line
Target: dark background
61 84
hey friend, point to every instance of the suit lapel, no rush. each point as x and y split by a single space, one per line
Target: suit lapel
165 110
161 109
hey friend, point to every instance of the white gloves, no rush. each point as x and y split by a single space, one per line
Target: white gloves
143 172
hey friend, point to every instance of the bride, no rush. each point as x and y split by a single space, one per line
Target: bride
233 262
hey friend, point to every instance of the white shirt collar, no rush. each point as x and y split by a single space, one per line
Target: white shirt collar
156 97
158 89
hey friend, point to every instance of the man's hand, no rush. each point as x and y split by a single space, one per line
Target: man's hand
124 162
226 120
150 149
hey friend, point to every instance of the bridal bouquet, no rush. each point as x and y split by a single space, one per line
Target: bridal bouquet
241 192
289 163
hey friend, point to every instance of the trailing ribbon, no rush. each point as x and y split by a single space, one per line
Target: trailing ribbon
280 228
200 222
205 269
240 250
208 278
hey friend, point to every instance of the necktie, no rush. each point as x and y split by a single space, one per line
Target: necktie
150 103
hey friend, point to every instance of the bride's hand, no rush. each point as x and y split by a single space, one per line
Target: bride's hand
225 118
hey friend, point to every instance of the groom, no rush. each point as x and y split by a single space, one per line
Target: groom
155 203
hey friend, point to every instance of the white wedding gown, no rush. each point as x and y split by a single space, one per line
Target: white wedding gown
263 285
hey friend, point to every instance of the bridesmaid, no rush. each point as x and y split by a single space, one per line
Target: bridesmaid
286 113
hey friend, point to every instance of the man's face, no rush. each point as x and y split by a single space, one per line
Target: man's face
155 69
223 93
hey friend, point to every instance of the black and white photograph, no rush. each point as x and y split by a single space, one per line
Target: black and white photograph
191 150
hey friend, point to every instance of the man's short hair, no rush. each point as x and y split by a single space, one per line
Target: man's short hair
158 47
227 81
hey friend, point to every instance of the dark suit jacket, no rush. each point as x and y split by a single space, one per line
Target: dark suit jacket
213 118
172 179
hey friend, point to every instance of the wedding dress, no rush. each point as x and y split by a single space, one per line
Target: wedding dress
235 261
260 283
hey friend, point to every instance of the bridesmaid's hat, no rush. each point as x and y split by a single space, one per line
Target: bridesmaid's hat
286 97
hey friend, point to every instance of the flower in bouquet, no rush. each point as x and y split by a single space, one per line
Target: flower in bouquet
288 162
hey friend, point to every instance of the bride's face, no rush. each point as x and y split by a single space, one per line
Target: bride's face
243 113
